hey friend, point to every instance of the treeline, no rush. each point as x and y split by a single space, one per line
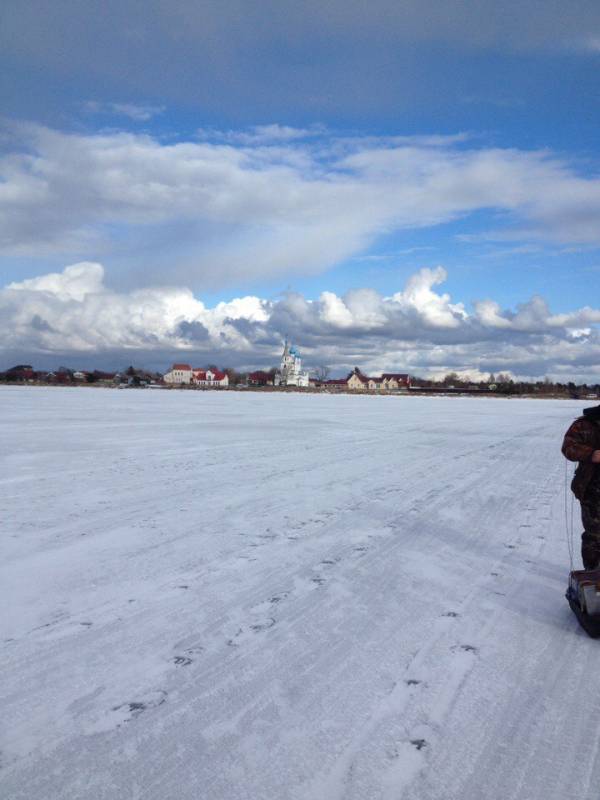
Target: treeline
132 376
505 384
25 373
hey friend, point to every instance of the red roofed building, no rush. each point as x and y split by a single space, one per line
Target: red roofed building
209 378
22 372
179 373
260 378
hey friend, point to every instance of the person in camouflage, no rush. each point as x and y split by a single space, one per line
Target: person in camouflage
582 444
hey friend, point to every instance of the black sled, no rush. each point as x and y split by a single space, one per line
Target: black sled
583 595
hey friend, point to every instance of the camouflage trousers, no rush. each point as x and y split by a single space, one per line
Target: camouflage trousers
590 516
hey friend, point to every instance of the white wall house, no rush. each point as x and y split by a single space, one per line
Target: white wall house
179 373
209 378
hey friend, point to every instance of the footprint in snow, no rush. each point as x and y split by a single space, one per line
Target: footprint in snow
263 626
182 661
466 648
419 743
190 646
132 709
232 642
277 598
265 607
192 651
258 627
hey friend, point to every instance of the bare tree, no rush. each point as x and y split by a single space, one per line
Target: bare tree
321 373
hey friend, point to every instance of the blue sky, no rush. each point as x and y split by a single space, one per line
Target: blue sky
276 150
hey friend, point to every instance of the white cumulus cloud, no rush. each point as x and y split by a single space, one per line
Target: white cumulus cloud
418 329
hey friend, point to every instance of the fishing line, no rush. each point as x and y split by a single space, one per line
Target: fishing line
569 527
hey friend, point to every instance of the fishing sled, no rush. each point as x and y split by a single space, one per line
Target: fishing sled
583 595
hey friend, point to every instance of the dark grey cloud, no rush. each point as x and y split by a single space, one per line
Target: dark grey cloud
222 32
39 324
192 331
226 56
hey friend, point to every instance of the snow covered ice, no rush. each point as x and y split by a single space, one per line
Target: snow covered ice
273 597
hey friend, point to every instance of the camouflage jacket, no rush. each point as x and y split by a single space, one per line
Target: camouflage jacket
582 438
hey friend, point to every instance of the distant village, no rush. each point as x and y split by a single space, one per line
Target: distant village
290 375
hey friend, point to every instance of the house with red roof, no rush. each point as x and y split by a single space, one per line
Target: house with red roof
260 378
178 374
209 378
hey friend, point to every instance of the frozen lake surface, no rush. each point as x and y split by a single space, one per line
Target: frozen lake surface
277 597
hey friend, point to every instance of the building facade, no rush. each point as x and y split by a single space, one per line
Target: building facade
183 374
290 371
359 382
210 378
178 374
395 380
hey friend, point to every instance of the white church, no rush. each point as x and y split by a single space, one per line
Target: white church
290 372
